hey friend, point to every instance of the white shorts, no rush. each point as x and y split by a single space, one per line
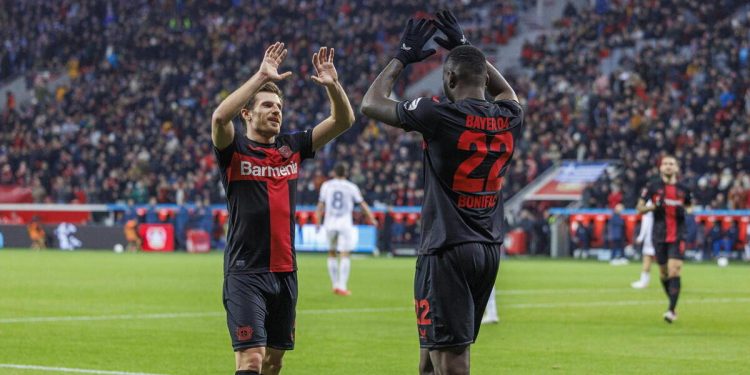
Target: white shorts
342 238
648 249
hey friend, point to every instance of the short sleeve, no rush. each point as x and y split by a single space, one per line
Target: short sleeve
647 192
356 194
302 142
224 156
417 115
323 189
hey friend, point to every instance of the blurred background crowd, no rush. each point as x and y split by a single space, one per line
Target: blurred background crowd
620 80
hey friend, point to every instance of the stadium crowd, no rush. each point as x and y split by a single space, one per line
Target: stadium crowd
144 77
681 86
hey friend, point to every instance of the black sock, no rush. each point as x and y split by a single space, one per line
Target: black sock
665 284
674 292
246 372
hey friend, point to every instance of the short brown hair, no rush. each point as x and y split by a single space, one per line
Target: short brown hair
267 87
340 170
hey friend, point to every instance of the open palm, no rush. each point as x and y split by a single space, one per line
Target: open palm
275 55
325 71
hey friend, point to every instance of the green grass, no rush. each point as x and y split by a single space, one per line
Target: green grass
557 317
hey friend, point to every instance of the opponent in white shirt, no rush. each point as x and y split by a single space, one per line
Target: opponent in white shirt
338 197
644 238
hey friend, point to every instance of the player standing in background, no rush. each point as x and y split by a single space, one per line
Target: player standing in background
37 235
468 142
259 171
131 235
671 202
647 248
490 313
338 197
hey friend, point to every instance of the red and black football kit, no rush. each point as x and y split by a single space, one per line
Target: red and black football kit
260 281
467 146
668 233
671 201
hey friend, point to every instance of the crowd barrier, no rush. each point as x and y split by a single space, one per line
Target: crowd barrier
596 220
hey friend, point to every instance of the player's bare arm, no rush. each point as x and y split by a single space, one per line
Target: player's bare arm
319 214
447 23
342 114
497 86
377 103
368 213
222 131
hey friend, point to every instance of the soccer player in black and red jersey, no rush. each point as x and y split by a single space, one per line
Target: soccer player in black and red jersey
671 202
468 142
259 170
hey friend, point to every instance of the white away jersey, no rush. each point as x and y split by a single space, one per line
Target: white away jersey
339 197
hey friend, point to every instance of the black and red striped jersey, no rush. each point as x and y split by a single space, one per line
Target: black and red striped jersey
467 146
670 200
260 181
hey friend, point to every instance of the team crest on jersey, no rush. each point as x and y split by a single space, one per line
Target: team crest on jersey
412 105
285 151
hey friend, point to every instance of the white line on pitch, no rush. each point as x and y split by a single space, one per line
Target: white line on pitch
358 310
600 291
74 370
42 319
620 303
107 317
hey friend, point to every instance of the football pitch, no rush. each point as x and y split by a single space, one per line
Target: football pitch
106 313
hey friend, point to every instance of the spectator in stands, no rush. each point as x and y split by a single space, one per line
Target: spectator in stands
582 240
616 237
181 218
384 234
729 239
716 240
152 212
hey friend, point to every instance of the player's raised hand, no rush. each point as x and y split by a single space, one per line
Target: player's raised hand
325 71
413 40
447 23
275 55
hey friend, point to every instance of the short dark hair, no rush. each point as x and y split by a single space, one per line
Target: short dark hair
339 170
268 87
469 64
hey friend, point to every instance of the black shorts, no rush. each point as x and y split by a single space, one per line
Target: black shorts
669 250
451 291
261 309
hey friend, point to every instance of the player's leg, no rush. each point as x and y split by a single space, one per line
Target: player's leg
344 271
646 270
245 304
661 259
281 322
452 360
490 313
676 254
645 279
333 264
468 266
345 246
272 361
425 363
250 360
